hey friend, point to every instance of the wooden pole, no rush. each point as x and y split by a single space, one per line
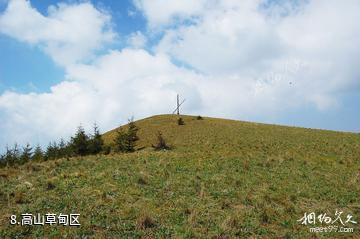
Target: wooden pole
177 103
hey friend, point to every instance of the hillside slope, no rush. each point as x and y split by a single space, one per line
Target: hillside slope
223 179
236 138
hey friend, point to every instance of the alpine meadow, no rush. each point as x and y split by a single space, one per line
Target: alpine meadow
179 119
218 179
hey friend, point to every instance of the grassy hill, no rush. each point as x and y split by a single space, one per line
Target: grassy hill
222 179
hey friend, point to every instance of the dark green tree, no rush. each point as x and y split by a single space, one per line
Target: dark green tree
55 149
126 141
80 142
16 153
12 156
96 143
121 141
8 156
2 160
38 154
51 151
63 149
26 154
132 131
48 152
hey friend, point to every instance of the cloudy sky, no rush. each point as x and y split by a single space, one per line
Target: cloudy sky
65 63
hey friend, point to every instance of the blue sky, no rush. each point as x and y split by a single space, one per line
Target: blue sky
16 72
18 75
72 62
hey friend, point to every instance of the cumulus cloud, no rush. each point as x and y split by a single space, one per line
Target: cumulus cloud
241 38
161 13
137 40
228 58
110 90
69 34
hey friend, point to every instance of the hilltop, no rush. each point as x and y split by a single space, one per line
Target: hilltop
222 179
226 136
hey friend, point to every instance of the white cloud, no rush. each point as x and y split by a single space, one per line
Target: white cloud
162 12
239 38
137 40
113 88
69 34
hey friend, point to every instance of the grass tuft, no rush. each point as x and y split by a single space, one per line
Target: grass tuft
145 221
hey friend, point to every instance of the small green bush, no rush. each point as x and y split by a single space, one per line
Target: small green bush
160 144
125 141
180 121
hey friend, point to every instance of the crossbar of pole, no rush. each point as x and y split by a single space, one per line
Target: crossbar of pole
177 108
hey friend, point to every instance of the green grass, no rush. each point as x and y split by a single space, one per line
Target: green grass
223 179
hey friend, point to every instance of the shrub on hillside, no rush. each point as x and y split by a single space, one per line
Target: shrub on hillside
160 144
126 141
80 142
26 154
2 161
38 154
12 156
52 151
132 131
120 141
180 121
15 156
106 149
63 149
199 117
80 145
96 144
